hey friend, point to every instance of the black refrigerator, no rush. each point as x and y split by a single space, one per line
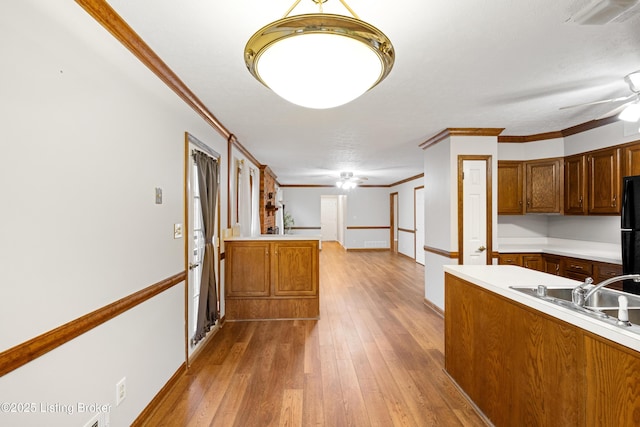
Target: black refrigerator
630 224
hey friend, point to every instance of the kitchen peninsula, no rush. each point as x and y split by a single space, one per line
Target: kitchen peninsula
525 361
272 277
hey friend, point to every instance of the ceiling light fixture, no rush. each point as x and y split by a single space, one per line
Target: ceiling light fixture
347 181
319 60
631 113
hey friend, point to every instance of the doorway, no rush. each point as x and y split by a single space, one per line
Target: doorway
195 241
329 218
418 223
474 210
393 222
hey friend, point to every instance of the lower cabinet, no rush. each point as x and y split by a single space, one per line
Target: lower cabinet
275 279
572 268
522 367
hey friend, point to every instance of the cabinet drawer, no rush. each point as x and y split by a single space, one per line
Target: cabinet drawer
578 266
604 271
510 259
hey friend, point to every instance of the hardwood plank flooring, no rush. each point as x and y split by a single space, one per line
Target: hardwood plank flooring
375 358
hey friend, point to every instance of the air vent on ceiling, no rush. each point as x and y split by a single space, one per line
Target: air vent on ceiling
600 12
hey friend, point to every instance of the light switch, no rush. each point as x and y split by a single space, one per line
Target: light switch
177 231
158 196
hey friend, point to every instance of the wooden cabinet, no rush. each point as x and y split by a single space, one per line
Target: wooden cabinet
539 181
631 160
603 271
510 259
577 269
522 367
247 269
510 188
543 186
532 261
552 264
604 182
575 185
272 279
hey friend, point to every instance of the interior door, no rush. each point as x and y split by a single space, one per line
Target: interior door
474 212
329 218
418 221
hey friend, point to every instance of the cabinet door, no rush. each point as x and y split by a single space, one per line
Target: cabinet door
575 185
510 188
631 160
295 268
533 261
247 269
603 271
552 264
543 186
604 182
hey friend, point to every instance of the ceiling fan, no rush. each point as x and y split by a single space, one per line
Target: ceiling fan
630 110
347 180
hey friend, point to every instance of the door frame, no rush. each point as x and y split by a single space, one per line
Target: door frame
415 225
489 197
393 199
187 235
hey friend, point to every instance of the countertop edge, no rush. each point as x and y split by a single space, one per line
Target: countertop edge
497 279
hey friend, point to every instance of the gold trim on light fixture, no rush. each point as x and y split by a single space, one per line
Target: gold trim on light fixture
348 29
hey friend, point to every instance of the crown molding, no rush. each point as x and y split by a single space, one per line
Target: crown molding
446 133
407 180
582 127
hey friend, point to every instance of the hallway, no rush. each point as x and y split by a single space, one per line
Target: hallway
375 358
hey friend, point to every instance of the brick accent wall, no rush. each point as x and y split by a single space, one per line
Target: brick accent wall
267 187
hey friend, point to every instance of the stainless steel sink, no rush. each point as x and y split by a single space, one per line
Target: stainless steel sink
634 314
602 305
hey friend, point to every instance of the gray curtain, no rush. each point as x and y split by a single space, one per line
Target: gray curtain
208 303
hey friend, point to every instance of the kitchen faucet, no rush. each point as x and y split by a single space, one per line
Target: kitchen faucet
580 294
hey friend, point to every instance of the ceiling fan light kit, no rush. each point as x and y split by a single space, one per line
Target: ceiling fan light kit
319 60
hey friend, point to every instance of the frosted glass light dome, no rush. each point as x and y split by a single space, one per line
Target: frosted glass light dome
319 60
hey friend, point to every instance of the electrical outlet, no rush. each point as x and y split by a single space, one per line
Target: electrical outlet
121 390
177 231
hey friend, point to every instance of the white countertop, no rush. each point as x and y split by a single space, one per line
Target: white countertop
594 251
498 278
275 237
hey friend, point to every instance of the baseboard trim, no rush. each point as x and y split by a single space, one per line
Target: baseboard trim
435 308
157 400
30 350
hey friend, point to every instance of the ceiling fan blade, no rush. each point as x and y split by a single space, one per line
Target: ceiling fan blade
605 101
615 111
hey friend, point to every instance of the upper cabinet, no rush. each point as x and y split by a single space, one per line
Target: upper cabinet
510 188
604 182
530 187
544 186
631 160
575 185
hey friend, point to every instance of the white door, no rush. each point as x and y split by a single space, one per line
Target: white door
419 224
329 218
474 220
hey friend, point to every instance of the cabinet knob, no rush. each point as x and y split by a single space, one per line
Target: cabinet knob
614 201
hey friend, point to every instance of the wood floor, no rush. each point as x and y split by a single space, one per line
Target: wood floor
375 358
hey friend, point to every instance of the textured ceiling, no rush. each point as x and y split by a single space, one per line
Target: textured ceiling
467 63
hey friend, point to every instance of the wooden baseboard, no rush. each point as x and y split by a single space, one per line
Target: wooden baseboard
157 400
435 308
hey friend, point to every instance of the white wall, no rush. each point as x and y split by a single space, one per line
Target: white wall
441 203
88 133
406 211
365 207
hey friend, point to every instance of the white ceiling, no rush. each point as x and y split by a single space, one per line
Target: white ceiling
466 63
